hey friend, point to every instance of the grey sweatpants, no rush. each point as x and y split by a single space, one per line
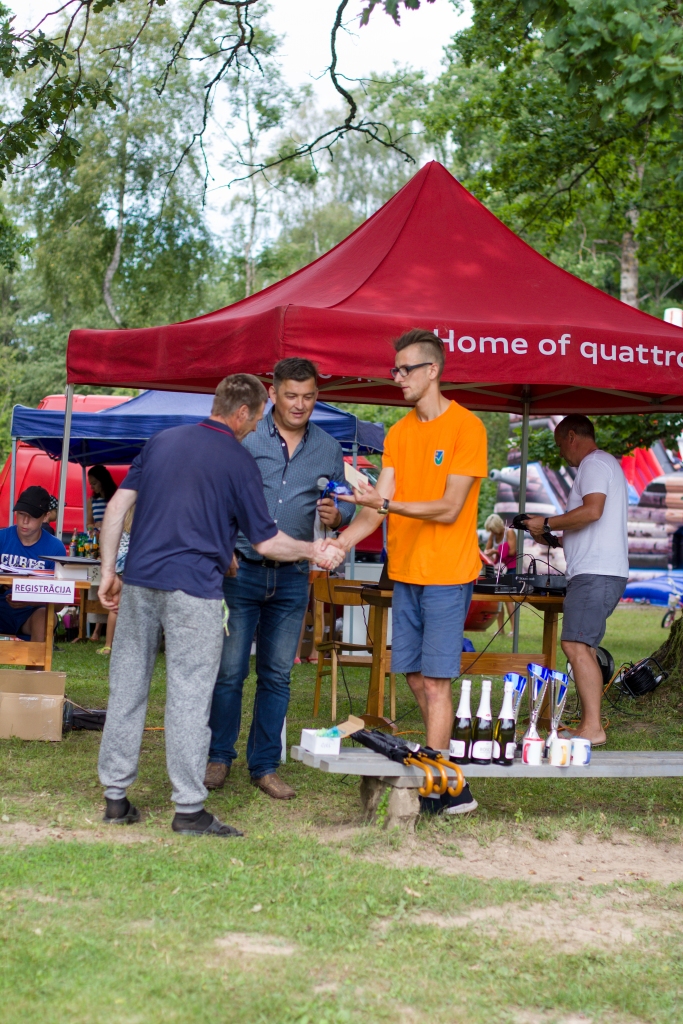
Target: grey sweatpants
194 641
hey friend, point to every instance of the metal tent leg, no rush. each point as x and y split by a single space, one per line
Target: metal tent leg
526 395
84 491
13 482
64 468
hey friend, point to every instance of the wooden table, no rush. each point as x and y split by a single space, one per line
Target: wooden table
482 664
26 652
86 607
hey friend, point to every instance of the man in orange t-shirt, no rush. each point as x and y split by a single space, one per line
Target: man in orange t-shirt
433 464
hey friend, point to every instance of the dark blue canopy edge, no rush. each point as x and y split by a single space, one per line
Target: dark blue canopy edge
117 435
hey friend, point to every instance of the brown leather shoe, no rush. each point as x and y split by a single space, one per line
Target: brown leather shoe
274 786
216 774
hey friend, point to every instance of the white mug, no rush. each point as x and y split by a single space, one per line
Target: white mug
581 752
532 750
560 752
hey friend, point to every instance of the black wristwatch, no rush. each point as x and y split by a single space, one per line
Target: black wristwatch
384 508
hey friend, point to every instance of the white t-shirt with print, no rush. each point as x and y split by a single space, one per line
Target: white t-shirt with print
601 548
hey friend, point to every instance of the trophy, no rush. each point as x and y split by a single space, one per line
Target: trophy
539 677
519 683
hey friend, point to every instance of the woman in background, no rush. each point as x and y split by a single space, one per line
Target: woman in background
103 490
502 547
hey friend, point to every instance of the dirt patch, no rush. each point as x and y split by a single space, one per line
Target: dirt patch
27 894
557 1017
605 923
244 944
24 834
565 859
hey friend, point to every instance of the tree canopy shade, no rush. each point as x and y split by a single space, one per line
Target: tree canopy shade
516 327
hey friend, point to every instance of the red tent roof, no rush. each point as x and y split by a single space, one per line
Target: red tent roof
432 257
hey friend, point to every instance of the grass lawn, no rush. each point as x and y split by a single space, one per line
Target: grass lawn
294 924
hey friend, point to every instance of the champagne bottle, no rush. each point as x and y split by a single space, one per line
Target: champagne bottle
459 747
504 730
482 728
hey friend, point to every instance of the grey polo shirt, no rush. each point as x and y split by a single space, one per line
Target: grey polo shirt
291 484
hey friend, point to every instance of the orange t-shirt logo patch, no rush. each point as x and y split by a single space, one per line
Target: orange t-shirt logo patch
438 456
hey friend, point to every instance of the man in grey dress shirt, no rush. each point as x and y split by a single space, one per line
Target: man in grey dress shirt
269 598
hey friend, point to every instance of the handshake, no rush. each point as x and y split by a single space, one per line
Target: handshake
328 553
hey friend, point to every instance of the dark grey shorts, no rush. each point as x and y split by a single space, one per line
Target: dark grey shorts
589 603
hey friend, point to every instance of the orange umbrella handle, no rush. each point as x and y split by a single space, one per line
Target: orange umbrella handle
429 776
441 786
459 778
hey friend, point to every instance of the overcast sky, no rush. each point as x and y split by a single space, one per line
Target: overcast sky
305 26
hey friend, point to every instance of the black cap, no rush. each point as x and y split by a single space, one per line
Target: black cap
35 501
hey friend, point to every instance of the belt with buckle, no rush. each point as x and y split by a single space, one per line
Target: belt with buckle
266 563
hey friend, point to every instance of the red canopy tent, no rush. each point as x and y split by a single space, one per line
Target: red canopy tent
432 257
521 334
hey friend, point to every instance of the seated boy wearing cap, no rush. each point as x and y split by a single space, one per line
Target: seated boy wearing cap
27 546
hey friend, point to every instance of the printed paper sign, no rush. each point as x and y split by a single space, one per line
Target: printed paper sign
44 591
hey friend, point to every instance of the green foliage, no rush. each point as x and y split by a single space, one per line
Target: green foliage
618 435
391 7
540 155
542 447
627 53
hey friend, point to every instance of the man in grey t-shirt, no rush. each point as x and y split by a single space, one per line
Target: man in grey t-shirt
595 544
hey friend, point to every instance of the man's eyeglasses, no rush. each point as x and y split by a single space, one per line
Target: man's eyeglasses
403 371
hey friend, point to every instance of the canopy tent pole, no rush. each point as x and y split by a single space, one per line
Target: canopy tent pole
84 491
13 481
352 552
64 468
526 397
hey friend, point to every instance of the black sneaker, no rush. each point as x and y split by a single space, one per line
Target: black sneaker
202 824
430 806
463 804
120 812
448 804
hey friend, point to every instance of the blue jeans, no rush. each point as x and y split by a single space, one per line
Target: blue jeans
270 603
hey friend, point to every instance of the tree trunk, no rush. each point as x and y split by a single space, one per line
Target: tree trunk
670 654
115 260
629 263
121 199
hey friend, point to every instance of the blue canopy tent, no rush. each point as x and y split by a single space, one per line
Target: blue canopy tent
344 426
118 434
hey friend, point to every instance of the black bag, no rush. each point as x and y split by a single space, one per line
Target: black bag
74 717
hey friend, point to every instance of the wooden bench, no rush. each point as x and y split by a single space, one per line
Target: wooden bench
377 773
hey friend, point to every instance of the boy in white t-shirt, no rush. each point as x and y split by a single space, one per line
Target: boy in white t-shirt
595 544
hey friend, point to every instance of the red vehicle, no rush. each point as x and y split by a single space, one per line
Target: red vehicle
35 467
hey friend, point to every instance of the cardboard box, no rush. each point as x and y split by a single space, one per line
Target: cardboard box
330 744
31 704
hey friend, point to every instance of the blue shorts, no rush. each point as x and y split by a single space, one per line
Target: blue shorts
427 628
12 619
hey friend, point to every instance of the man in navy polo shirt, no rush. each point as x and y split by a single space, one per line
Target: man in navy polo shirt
194 489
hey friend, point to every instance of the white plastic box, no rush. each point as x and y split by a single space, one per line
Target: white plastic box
330 744
320 744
